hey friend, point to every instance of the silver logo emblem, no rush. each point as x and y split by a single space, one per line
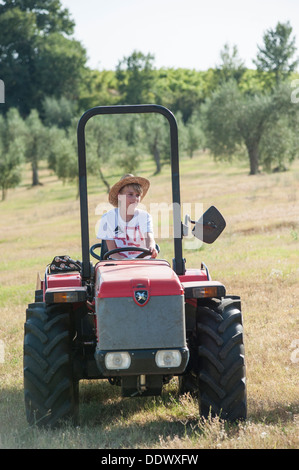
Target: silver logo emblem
141 296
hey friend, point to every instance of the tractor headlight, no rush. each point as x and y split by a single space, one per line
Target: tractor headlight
168 358
117 360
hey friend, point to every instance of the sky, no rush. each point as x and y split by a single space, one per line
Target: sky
179 33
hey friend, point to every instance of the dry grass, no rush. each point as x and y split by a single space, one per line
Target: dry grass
257 257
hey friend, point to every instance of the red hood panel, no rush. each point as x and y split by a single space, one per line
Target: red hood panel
72 279
122 279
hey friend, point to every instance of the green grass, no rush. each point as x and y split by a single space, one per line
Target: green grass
256 257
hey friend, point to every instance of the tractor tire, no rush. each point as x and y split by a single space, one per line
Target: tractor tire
221 360
51 392
38 295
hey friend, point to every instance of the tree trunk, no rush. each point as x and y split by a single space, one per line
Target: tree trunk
157 161
35 180
253 153
4 192
156 154
104 180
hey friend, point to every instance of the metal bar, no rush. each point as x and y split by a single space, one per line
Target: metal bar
129 109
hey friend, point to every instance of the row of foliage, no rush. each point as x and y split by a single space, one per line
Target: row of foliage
229 110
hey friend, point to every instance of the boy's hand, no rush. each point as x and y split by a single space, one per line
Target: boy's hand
151 244
153 251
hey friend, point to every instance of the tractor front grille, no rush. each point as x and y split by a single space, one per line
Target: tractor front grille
124 325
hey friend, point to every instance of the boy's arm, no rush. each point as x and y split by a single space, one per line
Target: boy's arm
151 244
111 245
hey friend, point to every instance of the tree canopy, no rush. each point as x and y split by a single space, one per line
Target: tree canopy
228 109
135 78
233 120
37 59
12 131
276 55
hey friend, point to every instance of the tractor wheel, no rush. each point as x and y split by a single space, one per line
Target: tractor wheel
51 393
221 360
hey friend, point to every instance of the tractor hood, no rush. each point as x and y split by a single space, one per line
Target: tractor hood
123 278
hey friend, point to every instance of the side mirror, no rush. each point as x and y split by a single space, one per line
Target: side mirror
210 225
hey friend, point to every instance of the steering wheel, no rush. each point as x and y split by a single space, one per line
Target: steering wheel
143 251
92 248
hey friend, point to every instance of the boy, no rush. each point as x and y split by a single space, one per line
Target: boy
126 225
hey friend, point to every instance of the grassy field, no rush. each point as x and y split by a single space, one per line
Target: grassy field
256 257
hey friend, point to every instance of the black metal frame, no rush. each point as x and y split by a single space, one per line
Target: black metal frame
178 262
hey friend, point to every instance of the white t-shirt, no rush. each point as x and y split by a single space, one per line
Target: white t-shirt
126 234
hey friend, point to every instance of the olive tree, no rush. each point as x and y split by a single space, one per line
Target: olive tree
233 120
276 55
12 136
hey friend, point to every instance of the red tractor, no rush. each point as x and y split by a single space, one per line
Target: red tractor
137 322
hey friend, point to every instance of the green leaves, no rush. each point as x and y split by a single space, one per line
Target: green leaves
12 136
36 58
49 14
257 121
135 78
276 54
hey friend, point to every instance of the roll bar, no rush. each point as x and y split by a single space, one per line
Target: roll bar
178 262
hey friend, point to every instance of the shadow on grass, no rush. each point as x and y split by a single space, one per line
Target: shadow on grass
110 421
133 422
275 414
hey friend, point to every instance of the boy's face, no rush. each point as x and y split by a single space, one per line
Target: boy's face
131 197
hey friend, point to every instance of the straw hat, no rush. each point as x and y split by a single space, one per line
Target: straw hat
127 179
